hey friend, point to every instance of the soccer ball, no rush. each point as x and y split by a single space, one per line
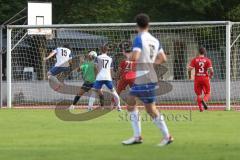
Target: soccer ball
93 54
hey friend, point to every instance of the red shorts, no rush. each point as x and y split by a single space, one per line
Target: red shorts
123 83
202 84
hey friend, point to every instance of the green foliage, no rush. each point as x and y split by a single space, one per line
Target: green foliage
94 11
8 8
101 11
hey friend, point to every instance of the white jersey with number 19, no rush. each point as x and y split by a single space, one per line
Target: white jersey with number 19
104 66
63 55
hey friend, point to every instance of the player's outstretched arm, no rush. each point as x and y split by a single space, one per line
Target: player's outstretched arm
80 68
50 55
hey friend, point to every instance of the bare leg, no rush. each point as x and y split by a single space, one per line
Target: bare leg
55 81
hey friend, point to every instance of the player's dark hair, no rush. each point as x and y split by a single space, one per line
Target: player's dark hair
142 20
66 46
104 48
202 51
126 46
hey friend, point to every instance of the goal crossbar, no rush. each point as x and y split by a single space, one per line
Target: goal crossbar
118 24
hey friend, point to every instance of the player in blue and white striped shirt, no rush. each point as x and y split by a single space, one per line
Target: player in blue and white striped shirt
147 51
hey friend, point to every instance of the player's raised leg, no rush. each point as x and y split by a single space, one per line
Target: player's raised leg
52 75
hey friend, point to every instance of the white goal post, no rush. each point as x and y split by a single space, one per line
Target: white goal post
179 39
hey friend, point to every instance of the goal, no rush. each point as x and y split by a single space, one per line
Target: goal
27 83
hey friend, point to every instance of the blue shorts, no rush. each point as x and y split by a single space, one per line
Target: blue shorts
99 84
56 70
145 92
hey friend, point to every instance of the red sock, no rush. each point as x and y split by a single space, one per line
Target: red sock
206 97
199 102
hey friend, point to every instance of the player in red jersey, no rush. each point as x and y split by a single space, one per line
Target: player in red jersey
126 73
203 74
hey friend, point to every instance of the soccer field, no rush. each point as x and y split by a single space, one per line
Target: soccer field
38 134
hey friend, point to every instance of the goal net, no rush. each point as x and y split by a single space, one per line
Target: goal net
30 87
235 64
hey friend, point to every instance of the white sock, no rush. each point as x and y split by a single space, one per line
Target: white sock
91 100
160 123
136 123
116 98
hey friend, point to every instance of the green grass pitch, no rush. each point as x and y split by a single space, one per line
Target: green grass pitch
40 135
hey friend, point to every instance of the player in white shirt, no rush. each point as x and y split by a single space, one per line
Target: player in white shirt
63 56
147 51
104 76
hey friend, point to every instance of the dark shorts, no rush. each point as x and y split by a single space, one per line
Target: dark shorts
145 92
87 86
56 70
98 84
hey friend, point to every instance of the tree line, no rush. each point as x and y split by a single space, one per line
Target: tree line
105 11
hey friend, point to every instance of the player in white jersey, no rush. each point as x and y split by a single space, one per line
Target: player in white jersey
63 56
147 51
104 76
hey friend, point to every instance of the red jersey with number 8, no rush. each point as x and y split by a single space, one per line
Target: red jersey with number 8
201 65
